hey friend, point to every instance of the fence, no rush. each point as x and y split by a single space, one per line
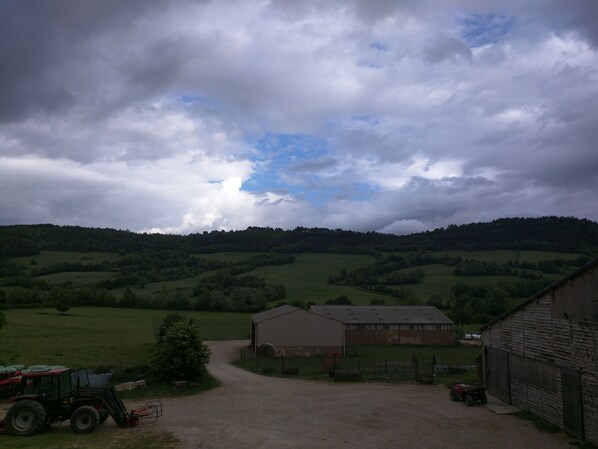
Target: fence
398 368
426 370
450 370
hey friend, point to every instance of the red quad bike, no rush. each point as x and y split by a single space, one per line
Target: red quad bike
468 393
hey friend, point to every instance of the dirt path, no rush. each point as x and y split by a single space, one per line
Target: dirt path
252 411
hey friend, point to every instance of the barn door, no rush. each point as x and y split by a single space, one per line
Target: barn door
498 381
572 402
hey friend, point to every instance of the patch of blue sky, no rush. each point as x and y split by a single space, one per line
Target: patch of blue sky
320 195
483 29
294 145
378 46
277 152
197 100
282 166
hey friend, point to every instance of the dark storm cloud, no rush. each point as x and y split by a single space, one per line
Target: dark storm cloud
409 115
43 42
562 15
444 48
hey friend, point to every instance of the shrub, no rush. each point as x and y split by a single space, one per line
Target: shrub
181 354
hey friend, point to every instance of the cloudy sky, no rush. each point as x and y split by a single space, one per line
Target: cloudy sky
183 116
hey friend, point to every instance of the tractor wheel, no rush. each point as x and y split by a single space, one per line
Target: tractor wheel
25 418
84 419
484 398
468 400
454 396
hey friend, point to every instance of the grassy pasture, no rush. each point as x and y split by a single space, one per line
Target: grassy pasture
78 278
153 290
503 256
439 279
307 278
46 258
227 256
95 336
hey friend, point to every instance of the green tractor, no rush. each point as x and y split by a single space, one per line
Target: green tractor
59 394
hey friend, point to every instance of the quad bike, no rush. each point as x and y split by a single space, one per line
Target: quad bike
468 393
49 395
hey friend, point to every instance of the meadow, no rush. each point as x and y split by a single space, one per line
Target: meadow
97 336
305 279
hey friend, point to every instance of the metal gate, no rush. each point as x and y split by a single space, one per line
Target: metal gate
572 402
498 380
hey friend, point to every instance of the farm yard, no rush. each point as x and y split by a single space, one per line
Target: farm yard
272 411
251 411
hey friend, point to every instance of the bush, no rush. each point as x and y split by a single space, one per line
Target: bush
168 321
181 354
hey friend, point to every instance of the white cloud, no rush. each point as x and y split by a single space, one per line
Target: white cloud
415 114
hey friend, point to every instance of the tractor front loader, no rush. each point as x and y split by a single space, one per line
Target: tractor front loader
51 395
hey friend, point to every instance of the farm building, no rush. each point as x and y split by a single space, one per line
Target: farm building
289 331
541 355
416 325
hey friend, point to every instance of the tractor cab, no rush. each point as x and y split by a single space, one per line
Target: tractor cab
54 388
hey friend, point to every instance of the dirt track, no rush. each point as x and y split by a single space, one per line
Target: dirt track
252 411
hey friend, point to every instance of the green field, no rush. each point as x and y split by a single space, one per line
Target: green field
439 280
94 336
47 258
227 256
306 279
78 278
503 256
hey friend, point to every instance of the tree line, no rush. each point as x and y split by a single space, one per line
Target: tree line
564 234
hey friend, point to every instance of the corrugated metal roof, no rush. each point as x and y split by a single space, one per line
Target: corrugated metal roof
262 316
386 315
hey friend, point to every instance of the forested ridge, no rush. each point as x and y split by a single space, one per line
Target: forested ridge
565 234
65 266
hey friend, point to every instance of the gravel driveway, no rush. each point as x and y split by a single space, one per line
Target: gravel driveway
252 411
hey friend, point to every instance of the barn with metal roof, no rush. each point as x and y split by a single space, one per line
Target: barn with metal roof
289 331
418 325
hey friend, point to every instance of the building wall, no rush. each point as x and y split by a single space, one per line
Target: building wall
307 351
542 340
364 336
300 329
